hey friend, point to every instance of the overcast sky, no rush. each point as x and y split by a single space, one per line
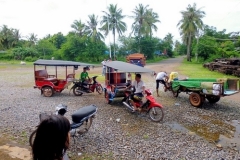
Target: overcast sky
44 17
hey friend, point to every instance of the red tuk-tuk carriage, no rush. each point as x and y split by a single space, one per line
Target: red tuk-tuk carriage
48 84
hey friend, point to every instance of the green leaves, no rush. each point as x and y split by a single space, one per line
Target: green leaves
190 24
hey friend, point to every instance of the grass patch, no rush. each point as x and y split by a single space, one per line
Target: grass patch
14 62
156 59
196 70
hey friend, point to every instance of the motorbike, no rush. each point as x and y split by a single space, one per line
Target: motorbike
150 106
81 120
79 88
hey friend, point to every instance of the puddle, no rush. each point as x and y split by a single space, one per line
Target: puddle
235 140
219 132
16 152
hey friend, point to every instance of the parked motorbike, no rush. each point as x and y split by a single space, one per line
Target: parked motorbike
79 88
81 120
152 107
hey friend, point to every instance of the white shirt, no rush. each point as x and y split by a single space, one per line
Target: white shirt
161 75
103 63
138 86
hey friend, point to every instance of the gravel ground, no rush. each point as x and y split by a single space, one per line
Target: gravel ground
135 136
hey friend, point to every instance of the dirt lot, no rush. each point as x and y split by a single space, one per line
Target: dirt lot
210 132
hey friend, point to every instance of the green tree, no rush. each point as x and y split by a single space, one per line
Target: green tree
138 26
32 38
189 25
151 19
113 21
58 39
79 27
45 48
21 53
91 28
9 37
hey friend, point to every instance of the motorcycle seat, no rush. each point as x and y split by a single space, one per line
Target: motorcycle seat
83 112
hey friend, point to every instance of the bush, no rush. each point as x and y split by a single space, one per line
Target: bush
6 56
30 59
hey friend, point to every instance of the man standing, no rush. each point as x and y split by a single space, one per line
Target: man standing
103 67
161 76
139 86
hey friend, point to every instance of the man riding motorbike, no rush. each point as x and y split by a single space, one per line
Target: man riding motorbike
83 78
139 86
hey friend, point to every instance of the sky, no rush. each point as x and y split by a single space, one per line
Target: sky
44 17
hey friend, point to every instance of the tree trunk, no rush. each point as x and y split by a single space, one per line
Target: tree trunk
114 43
189 47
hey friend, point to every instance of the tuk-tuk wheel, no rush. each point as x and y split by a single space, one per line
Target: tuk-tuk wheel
195 99
47 91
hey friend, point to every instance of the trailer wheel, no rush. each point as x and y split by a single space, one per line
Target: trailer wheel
175 93
195 99
213 99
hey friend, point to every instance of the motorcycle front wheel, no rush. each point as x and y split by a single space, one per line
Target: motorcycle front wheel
85 126
156 114
76 92
99 89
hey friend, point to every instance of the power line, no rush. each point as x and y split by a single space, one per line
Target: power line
229 12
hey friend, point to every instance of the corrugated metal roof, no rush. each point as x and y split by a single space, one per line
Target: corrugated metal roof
127 67
59 63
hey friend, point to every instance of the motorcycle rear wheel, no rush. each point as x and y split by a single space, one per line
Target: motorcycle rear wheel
156 114
75 92
32 137
85 126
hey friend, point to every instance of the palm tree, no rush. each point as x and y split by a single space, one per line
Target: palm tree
91 28
32 38
112 21
189 25
139 19
79 27
16 37
151 19
169 38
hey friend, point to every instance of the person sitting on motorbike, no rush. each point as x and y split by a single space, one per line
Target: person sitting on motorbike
84 78
139 86
52 139
163 78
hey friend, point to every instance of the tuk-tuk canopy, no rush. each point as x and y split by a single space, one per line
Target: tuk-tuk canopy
127 67
59 63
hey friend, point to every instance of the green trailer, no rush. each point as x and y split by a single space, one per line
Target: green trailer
201 89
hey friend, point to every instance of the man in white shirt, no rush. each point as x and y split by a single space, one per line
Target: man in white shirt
139 86
104 67
160 78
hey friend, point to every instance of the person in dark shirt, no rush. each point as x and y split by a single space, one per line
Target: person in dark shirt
52 139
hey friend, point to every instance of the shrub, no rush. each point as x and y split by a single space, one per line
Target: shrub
6 56
30 59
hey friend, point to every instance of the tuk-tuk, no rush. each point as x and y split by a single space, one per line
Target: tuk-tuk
48 84
137 59
118 76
